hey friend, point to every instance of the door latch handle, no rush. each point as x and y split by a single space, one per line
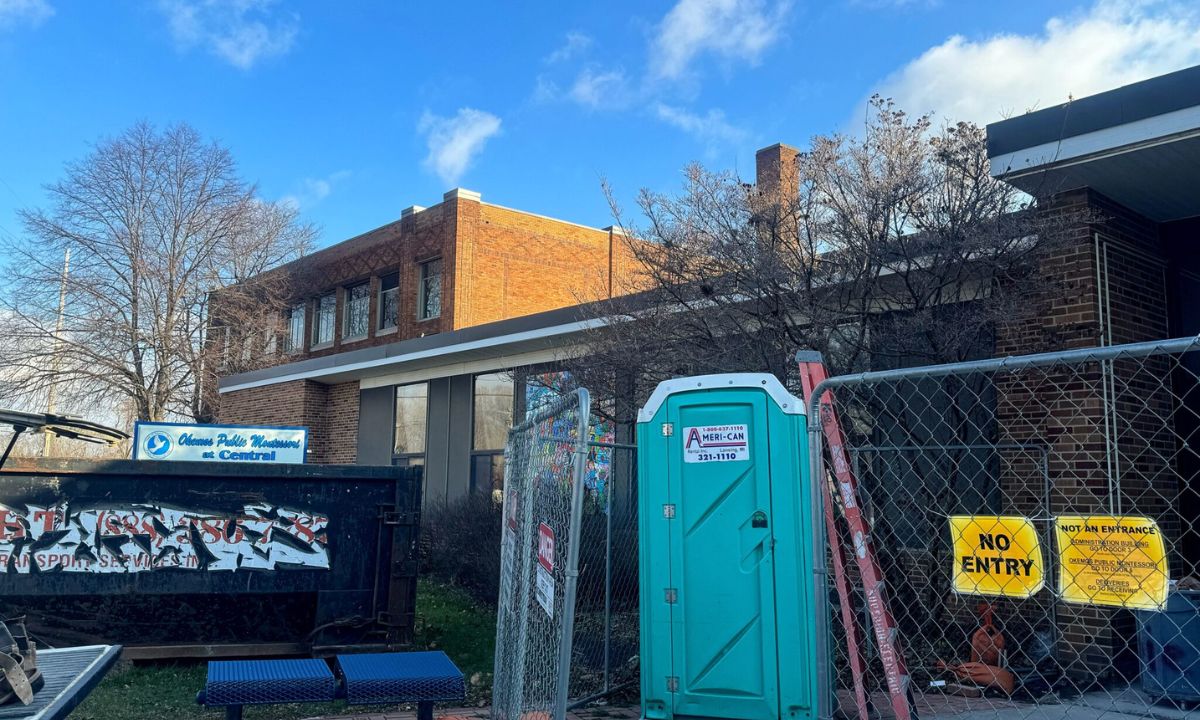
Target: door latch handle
758 519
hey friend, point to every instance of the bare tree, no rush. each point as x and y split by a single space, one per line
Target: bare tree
887 247
154 222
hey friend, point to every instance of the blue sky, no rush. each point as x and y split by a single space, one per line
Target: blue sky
355 110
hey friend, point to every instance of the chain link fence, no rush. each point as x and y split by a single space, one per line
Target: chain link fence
1035 522
543 505
605 650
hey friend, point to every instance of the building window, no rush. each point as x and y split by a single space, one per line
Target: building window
492 417
429 294
358 311
323 316
294 342
412 410
389 301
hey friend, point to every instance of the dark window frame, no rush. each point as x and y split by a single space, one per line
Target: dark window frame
493 454
347 290
289 344
407 459
424 278
317 325
380 327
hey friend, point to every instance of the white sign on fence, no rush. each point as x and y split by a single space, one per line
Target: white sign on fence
250 444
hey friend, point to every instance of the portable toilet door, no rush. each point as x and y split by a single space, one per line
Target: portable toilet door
727 595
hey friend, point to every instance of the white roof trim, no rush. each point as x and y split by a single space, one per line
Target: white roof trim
499 340
789 403
1114 140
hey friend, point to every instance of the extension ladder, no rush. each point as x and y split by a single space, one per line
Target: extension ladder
887 636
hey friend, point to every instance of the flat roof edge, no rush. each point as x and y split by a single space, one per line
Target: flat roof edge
1137 101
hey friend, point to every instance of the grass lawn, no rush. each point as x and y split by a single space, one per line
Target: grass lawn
447 620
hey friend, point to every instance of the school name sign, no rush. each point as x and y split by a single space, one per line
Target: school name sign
244 444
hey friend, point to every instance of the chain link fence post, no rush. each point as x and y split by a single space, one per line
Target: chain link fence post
543 498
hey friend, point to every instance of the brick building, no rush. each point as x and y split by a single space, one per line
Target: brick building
395 343
1125 161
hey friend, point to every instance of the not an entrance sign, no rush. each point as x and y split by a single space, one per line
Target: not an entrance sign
996 555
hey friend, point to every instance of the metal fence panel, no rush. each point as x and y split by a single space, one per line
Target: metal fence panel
605 649
1015 506
543 505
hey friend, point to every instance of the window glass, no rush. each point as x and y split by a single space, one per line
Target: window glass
487 473
411 415
429 302
389 300
295 337
323 319
493 410
358 310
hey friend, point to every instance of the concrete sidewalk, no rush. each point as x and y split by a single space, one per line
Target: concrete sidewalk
1123 705
595 712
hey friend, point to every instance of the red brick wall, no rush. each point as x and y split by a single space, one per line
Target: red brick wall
338 440
1065 409
330 412
512 263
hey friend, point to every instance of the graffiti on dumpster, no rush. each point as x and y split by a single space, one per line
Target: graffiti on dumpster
140 538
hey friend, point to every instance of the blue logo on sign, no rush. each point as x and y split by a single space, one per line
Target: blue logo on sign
158 444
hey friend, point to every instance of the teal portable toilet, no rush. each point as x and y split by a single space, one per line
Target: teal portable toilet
730 623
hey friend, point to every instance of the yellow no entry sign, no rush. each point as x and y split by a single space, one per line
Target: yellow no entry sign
996 555
1113 561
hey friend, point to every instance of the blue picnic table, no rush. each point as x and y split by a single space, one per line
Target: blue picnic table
386 678
70 674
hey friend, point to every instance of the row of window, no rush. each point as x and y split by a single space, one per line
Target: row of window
492 415
356 308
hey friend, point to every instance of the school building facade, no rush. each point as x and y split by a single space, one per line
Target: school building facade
397 344
402 344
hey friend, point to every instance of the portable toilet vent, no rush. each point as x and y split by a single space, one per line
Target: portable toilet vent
728 605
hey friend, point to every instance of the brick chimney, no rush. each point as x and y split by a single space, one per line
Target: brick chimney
775 173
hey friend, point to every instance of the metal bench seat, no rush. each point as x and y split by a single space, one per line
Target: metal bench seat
367 679
267 682
385 678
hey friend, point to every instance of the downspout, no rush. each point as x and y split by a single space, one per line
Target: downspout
1107 384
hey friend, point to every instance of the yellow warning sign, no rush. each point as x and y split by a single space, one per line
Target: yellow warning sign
996 555
1114 561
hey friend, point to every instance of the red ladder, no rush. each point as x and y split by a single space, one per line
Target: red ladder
887 636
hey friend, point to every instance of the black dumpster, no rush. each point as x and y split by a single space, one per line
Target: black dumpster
186 559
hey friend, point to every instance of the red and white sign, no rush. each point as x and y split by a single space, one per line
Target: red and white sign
545 569
546 547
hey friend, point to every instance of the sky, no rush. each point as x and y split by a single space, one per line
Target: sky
355 110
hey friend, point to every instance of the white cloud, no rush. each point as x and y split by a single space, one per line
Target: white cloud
731 29
597 89
711 128
24 12
1114 43
314 190
240 32
575 44
454 142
